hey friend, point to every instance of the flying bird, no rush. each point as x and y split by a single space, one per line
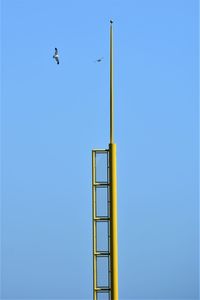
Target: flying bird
99 60
56 56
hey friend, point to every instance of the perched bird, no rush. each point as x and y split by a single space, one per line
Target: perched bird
111 21
99 60
56 56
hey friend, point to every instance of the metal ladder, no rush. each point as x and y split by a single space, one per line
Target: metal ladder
101 225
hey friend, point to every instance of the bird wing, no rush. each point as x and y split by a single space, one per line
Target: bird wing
57 60
56 51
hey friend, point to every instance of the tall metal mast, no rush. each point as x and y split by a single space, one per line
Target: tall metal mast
104 209
113 185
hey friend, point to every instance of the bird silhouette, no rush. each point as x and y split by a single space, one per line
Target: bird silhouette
56 56
99 60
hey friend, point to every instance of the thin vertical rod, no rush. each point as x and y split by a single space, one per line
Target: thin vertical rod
94 225
111 87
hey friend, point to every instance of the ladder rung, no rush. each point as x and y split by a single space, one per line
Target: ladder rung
102 289
100 150
100 184
101 219
102 253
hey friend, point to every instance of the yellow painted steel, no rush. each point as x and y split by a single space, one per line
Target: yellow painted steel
113 222
113 185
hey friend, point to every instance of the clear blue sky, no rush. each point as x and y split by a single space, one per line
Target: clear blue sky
53 116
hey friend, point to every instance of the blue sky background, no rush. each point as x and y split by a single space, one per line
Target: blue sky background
53 116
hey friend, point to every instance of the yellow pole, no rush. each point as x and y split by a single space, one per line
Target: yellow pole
113 186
